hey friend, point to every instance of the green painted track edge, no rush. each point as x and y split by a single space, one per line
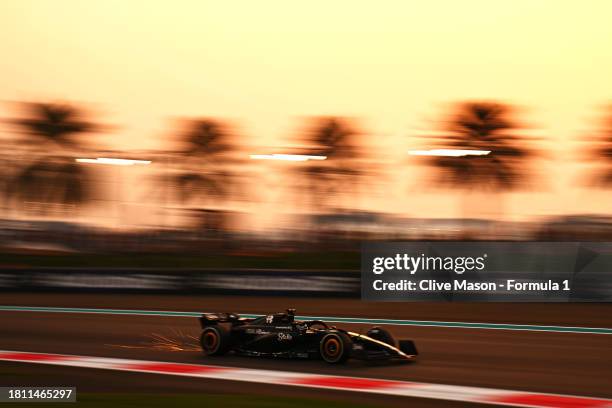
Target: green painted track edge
354 320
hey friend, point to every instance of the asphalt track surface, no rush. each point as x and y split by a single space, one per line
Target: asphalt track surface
566 363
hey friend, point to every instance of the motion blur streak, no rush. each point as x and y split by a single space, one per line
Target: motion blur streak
449 152
286 157
117 162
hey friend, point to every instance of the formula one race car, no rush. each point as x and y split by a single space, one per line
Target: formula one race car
280 335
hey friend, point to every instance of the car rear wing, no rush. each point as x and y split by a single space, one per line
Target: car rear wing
208 319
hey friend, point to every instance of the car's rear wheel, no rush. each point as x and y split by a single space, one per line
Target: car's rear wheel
215 340
335 348
380 334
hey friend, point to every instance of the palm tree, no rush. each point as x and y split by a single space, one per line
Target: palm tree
50 174
200 169
203 168
54 180
57 123
601 153
484 126
335 139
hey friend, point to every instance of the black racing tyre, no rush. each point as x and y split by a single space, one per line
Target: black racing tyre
335 348
380 334
215 340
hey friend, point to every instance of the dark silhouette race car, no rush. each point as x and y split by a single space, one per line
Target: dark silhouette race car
279 335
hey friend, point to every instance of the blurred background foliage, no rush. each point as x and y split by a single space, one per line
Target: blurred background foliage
201 195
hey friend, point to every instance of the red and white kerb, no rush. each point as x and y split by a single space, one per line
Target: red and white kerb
351 384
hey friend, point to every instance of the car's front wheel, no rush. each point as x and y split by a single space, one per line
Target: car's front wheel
335 348
215 340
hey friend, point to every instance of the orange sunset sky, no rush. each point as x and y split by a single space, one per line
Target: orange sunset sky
395 65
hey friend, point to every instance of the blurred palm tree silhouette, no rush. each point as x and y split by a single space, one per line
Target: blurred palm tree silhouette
57 123
202 170
48 173
325 180
485 126
601 153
